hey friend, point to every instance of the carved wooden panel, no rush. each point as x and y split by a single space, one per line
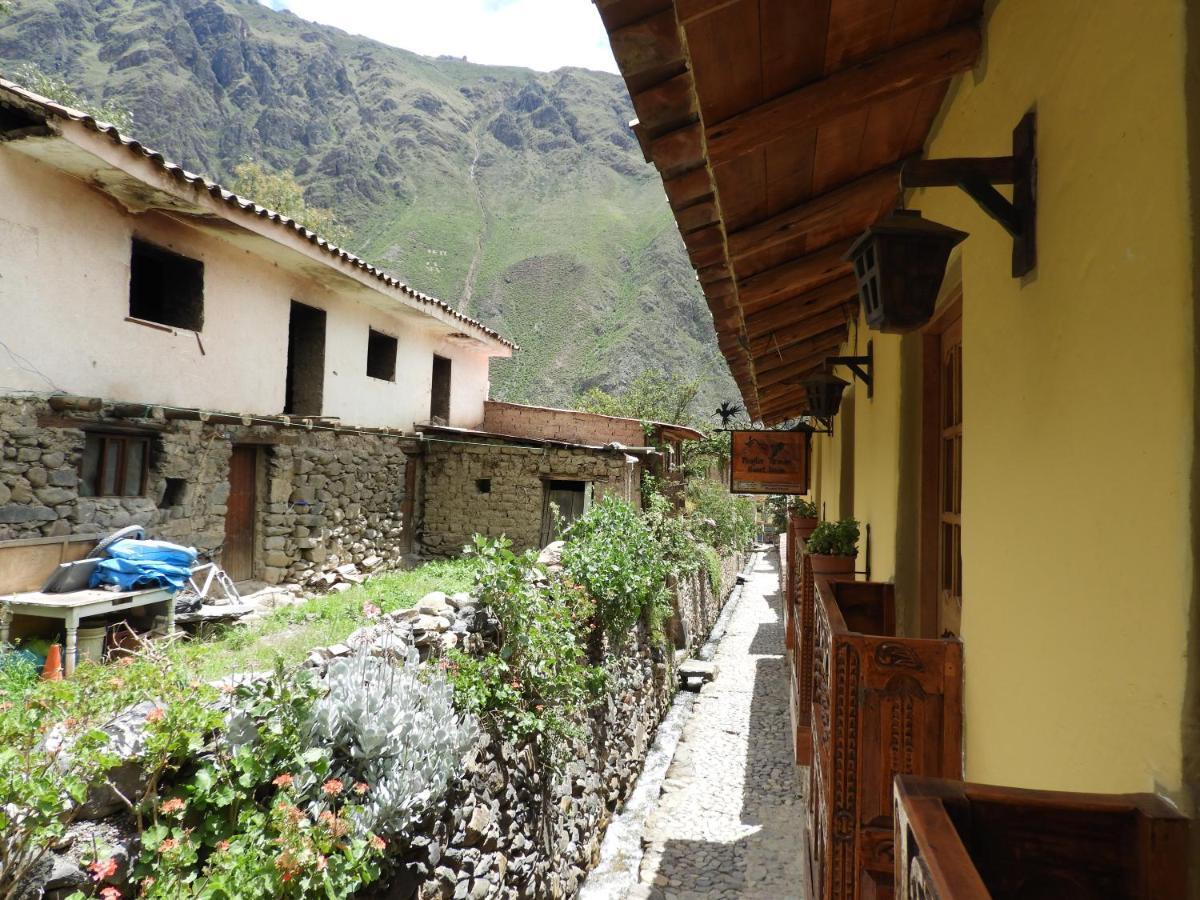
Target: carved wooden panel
882 705
958 841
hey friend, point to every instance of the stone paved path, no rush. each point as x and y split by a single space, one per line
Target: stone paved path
728 822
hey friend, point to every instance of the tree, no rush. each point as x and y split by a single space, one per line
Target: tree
653 396
62 91
281 192
6 8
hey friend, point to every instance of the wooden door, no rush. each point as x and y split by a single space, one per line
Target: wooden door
949 616
565 501
237 557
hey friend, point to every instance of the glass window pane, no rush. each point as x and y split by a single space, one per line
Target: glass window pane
135 461
108 477
89 465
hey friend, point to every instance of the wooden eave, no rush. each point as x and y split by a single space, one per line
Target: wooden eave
778 127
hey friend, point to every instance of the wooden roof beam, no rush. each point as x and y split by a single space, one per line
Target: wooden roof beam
774 349
925 61
795 309
784 406
797 276
818 339
801 366
861 199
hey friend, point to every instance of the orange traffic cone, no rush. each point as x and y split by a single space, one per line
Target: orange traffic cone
52 671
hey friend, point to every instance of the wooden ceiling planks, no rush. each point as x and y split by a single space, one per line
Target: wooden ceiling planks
778 127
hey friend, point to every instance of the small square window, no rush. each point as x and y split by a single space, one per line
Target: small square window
381 355
174 493
166 288
114 465
483 485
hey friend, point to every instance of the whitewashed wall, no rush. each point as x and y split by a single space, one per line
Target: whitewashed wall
64 298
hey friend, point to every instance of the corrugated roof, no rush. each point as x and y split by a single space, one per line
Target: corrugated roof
242 205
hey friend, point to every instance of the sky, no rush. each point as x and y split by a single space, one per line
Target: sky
539 34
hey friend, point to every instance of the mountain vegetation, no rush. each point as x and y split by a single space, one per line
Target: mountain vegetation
520 197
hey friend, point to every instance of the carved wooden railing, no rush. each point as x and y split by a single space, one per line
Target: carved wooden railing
801 657
957 841
882 706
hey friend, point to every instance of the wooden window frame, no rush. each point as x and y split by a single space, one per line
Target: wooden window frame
929 555
121 442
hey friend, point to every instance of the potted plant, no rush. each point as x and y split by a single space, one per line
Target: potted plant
832 547
804 517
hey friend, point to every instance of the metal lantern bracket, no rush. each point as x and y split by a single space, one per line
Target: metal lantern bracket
976 176
863 367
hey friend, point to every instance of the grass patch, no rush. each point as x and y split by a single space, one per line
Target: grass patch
288 634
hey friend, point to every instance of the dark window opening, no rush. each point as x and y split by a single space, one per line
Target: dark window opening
381 355
439 407
165 287
114 465
483 485
175 492
305 361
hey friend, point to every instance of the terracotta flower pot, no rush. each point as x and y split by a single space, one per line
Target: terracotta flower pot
823 564
804 526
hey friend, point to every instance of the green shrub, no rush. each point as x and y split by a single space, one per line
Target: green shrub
712 562
613 554
834 539
680 549
721 519
538 684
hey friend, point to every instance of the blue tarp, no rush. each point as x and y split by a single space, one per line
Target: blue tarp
132 565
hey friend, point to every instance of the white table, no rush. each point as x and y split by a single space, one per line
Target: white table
72 606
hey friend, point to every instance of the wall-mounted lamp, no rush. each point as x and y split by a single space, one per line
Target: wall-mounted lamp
900 261
863 367
824 395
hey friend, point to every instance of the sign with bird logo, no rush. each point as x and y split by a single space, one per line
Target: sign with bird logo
769 462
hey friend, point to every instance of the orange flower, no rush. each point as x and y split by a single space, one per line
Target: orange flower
377 843
333 787
283 781
116 682
103 868
337 827
222 846
168 845
155 715
361 788
110 893
174 805
287 864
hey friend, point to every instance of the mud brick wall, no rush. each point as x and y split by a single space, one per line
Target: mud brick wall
561 425
455 507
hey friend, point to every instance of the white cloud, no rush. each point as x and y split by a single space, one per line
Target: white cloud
538 34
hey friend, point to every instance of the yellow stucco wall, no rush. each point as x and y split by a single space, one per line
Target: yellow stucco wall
1078 416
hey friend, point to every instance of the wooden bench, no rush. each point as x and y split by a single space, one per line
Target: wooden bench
959 841
882 706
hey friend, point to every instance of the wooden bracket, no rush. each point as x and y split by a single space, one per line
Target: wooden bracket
977 177
863 367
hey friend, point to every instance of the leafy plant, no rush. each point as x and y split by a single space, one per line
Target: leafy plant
393 731
538 683
712 563
281 192
653 396
805 509
834 538
612 553
722 520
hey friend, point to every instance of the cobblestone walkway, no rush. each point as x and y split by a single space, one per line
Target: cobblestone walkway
728 822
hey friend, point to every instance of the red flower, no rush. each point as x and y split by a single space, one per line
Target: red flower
377 843
174 805
361 788
155 715
333 787
110 893
222 846
168 845
283 781
103 868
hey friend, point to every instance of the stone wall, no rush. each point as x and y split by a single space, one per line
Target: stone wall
455 505
697 605
324 498
561 425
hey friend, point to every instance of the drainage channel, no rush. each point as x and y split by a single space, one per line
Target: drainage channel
621 851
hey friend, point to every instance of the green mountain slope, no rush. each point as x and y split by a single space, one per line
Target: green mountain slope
519 196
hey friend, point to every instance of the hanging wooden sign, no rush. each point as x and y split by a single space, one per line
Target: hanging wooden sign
769 462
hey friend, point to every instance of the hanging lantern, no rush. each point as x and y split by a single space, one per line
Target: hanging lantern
824 393
899 263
